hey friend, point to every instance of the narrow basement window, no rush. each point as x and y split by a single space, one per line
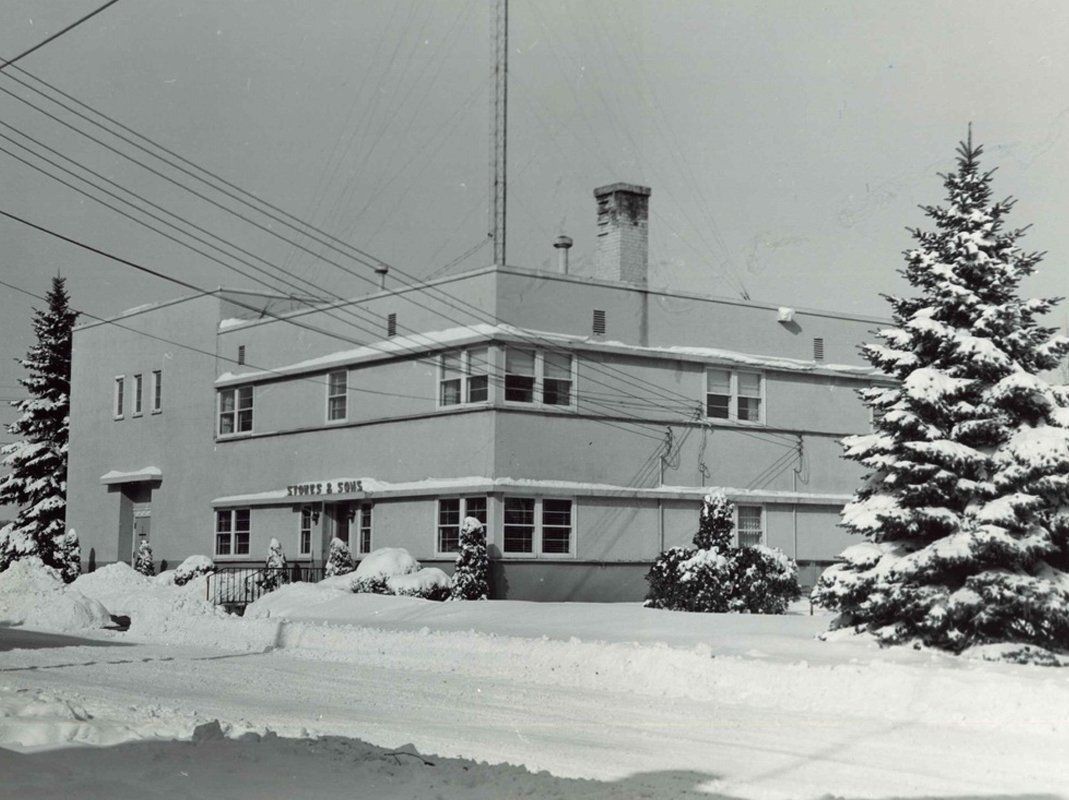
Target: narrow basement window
241 354
599 322
391 325
818 349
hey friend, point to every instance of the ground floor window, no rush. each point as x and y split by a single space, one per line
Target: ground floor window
750 525
232 532
365 528
538 526
451 513
304 535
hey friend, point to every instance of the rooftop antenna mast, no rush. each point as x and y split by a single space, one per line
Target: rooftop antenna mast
499 32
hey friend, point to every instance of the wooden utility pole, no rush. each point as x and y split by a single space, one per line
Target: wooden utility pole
499 32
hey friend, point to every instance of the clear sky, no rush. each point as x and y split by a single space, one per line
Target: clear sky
787 143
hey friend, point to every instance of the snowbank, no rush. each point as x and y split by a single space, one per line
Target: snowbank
34 596
161 611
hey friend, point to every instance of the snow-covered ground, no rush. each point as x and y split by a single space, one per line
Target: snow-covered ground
743 706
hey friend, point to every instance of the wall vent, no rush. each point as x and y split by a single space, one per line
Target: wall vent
391 324
599 322
241 354
818 349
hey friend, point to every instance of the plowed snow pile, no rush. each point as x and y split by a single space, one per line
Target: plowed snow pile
164 612
34 596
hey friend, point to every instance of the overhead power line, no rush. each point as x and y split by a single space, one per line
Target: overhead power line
57 34
281 216
327 240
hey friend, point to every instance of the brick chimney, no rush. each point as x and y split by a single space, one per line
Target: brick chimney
623 243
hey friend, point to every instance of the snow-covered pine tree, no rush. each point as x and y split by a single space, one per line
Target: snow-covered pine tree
144 562
339 559
471 575
965 509
274 567
716 523
37 479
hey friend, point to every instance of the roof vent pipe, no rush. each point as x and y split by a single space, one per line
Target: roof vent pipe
563 244
381 271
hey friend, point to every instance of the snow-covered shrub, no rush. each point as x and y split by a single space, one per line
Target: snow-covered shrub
391 570
471 575
386 562
430 583
274 574
375 584
143 561
716 576
965 504
192 567
764 581
665 590
69 556
339 559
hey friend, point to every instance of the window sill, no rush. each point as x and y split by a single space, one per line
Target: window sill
737 423
157 411
227 436
117 417
339 421
136 414
537 556
451 406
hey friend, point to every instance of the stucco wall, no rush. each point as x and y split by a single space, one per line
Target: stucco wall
178 440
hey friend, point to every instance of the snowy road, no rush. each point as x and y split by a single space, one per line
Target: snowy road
742 748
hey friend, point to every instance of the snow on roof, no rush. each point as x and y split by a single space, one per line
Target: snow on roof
372 487
472 333
135 476
386 348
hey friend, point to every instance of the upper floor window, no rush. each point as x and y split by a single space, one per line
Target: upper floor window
337 395
235 410
157 390
120 390
137 394
464 377
536 376
734 395
750 527
451 513
538 526
232 532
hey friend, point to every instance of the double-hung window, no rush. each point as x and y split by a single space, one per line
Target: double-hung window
232 532
750 525
734 395
235 410
365 528
538 527
557 379
138 394
304 533
464 377
337 395
519 375
157 391
451 514
537 376
120 391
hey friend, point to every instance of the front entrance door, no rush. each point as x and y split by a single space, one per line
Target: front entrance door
142 526
341 515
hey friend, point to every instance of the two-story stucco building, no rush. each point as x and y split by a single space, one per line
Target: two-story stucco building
581 417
